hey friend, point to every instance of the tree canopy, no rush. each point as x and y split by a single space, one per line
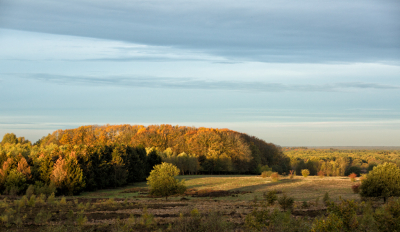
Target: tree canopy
162 181
383 181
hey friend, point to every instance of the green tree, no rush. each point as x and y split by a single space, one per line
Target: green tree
305 172
162 181
383 181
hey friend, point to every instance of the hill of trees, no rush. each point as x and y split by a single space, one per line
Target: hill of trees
96 157
217 150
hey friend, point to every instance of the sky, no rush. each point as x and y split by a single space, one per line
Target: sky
294 73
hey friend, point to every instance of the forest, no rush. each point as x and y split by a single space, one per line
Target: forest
98 157
338 162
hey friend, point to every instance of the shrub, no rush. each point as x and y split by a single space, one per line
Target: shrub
352 177
266 220
305 205
43 217
346 211
265 174
305 172
326 199
162 181
32 201
274 176
383 181
63 201
30 191
355 188
51 199
270 197
321 174
265 168
194 221
46 189
331 223
286 202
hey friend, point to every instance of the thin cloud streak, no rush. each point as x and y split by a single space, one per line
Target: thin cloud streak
191 83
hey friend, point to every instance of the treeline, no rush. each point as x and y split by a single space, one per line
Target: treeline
216 150
334 162
71 169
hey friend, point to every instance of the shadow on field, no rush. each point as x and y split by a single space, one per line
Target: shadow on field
266 185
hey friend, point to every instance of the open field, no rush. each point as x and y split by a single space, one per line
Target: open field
232 196
300 188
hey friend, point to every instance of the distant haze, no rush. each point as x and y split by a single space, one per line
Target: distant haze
294 73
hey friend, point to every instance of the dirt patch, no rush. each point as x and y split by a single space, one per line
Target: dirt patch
213 193
140 190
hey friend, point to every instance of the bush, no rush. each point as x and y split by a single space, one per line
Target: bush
352 177
162 181
267 220
383 181
46 189
274 176
356 188
270 197
30 191
265 174
326 199
305 172
286 202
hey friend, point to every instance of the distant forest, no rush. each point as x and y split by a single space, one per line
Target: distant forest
339 162
96 157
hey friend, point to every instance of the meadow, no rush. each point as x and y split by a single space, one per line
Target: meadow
231 198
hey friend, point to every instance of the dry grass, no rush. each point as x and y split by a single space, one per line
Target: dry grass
301 189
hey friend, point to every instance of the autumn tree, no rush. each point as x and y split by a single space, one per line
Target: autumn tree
67 175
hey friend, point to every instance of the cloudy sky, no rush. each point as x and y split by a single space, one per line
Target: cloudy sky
295 73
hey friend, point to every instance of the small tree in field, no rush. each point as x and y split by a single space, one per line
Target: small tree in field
162 181
383 181
352 177
305 172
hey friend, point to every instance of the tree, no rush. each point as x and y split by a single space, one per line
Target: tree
162 181
305 172
10 138
383 181
67 175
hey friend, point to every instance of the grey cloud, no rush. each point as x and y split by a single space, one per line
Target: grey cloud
269 31
191 83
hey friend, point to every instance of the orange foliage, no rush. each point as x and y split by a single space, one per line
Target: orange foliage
24 168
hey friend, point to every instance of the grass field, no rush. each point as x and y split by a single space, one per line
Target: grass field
232 197
300 188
